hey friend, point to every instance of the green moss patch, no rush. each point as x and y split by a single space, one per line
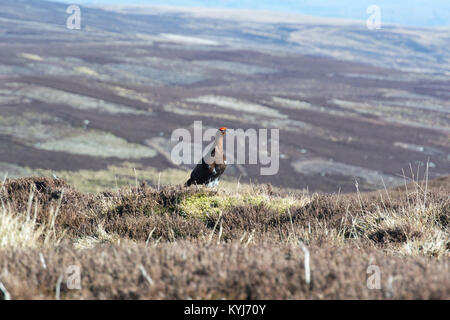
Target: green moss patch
202 205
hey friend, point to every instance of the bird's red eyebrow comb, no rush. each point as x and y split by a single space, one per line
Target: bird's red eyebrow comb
223 129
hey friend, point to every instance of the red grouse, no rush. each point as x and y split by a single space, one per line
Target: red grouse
213 164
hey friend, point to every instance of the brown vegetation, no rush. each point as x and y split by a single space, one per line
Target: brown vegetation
179 243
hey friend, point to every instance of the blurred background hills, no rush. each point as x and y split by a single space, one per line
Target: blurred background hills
97 106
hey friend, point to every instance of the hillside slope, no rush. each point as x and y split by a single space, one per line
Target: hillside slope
181 243
90 105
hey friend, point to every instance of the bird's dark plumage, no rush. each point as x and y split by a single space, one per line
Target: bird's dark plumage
209 172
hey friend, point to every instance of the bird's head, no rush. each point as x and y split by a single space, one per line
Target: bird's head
223 130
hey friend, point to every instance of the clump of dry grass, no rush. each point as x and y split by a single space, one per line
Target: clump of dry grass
16 232
21 230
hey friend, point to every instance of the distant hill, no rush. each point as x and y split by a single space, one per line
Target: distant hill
413 13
